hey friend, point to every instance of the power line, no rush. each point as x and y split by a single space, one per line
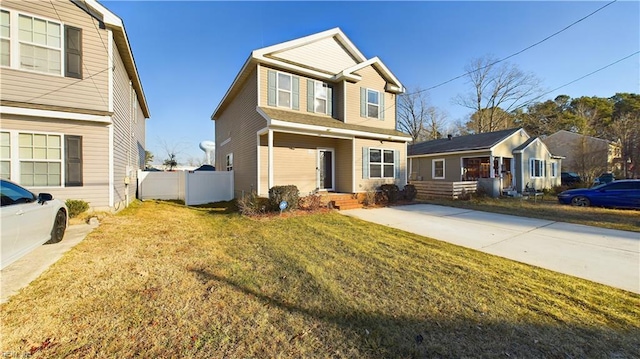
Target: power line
518 52
576 80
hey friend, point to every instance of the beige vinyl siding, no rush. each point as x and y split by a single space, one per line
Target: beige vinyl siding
371 79
31 87
295 161
344 166
128 136
363 185
539 151
95 157
303 91
334 59
240 122
505 148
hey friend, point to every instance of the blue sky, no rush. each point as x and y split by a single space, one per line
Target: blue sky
188 53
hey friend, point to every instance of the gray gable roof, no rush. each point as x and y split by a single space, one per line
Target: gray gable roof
478 141
525 144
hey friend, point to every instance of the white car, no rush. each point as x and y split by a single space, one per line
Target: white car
27 221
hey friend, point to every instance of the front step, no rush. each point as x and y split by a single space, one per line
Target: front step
346 203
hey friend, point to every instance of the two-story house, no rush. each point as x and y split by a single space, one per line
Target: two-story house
312 112
72 109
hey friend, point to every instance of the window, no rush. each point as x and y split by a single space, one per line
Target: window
373 103
5 36
36 44
437 169
320 100
73 161
536 168
554 169
382 163
40 45
284 90
5 155
229 162
40 159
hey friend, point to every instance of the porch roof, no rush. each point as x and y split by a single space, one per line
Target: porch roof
328 122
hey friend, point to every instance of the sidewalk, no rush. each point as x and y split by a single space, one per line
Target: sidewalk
601 255
26 269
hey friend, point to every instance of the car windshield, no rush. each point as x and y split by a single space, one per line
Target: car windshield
598 186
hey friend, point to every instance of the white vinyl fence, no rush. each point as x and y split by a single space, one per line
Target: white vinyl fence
192 187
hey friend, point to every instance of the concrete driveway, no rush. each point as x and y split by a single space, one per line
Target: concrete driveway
605 256
26 269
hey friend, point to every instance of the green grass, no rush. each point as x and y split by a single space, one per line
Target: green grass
550 209
162 280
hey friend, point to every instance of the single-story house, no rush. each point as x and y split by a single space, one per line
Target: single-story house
510 158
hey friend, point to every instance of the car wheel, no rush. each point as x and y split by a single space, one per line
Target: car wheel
580 201
59 226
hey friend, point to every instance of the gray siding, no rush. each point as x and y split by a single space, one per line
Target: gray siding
92 92
239 123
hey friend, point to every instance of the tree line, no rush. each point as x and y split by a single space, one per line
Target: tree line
502 96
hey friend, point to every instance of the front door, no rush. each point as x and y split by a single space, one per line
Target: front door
507 176
325 169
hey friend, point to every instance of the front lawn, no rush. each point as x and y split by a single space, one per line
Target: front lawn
550 209
160 280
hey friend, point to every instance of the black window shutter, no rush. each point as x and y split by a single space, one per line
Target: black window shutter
73 161
73 52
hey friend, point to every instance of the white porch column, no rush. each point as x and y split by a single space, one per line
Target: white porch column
492 171
270 159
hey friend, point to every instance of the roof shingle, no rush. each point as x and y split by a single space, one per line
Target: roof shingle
478 141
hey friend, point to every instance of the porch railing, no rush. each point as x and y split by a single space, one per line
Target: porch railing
441 189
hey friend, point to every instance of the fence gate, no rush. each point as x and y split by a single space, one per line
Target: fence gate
192 187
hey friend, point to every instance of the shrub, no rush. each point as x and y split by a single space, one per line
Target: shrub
287 193
410 192
391 192
370 197
311 202
251 204
76 207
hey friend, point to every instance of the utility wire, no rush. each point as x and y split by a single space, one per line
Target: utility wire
518 52
576 80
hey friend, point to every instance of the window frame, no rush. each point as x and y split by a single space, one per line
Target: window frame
15 42
278 89
382 162
47 160
6 159
229 161
325 86
533 169
433 168
367 103
553 168
8 39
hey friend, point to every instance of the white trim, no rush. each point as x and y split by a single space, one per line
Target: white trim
259 133
333 168
367 103
294 68
270 159
382 163
228 159
9 110
336 31
280 130
385 71
325 86
331 130
15 160
290 90
406 162
225 142
353 165
258 84
111 168
111 67
108 17
541 167
433 168
344 102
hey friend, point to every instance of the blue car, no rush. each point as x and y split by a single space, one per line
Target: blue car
618 194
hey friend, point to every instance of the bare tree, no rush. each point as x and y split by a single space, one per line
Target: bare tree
172 154
496 87
419 119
